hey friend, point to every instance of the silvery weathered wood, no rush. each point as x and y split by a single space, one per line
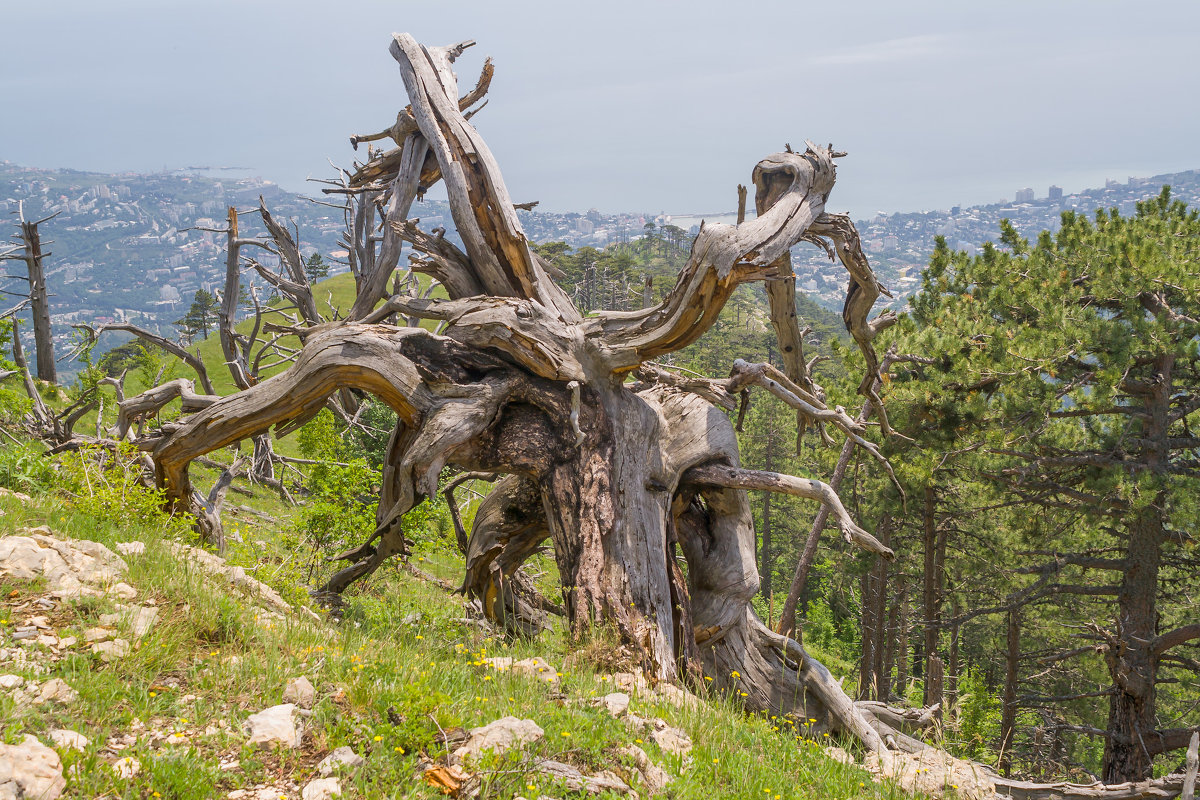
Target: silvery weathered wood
619 477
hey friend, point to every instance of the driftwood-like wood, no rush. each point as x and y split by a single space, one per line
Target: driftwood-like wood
620 478
167 345
1193 763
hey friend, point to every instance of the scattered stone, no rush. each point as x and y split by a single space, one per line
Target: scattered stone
67 641
10 681
131 548
98 634
838 754
141 619
48 641
41 623
536 667
237 577
499 736
342 757
110 651
275 726
71 568
631 682
58 691
499 663
576 781
30 769
677 697
24 498
127 767
122 591
616 703
69 739
655 777
322 789
258 793
137 619
671 740
176 739
930 772
301 692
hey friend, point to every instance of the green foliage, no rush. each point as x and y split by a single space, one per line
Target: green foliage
110 484
201 316
369 440
14 404
976 717
316 268
834 642
25 468
344 494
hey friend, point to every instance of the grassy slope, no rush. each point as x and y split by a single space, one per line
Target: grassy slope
402 646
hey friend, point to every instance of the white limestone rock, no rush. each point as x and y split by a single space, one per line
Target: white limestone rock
127 767
616 703
131 548
499 736
321 789
343 757
30 769
56 690
301 692
68 739
671 740
111 651
277 725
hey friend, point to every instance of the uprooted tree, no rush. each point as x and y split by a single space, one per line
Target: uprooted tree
624 465
620 463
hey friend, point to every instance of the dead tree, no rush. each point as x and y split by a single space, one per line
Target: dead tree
31 254
618 476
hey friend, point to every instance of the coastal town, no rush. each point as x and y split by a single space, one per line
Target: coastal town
136 247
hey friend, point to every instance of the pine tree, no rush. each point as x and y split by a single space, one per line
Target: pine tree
316 268
201 317
1080 354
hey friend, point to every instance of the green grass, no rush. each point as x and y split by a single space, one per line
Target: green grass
213 659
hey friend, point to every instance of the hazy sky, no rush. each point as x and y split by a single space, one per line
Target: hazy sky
624 105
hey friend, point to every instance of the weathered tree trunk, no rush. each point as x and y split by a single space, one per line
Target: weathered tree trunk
930 594
867 625
892 637
39 302
953 666
879 599
1008 711
1134 650
766 558
1131 658
619 476
902 651
935 677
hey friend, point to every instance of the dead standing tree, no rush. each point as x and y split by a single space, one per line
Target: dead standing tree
620 476
30 240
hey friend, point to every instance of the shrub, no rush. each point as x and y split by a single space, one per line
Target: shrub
25 468
108 483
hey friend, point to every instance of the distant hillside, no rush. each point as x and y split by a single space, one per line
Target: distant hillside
122 249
